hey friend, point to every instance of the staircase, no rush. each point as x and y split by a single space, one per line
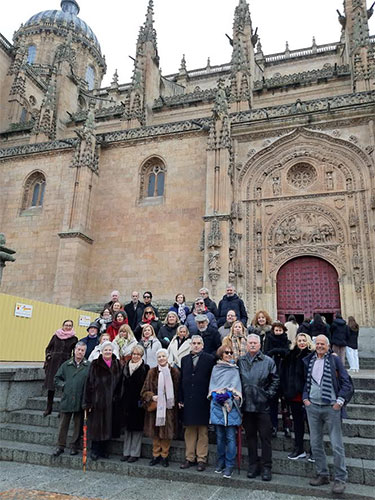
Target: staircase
28 437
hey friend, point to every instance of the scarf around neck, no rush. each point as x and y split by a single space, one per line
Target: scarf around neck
181 312
134 366
165 395
63 335
326 382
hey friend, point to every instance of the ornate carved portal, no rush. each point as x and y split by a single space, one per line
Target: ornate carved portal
305 286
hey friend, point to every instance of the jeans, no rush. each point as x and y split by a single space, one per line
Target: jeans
317 417
226 445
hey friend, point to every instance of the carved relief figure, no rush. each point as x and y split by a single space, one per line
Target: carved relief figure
329 180
276 185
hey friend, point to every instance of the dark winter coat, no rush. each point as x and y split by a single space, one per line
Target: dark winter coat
102 395
304 327
150 389
134 315
231 303
276 347
166 332
133 413
156 324
292 373
339 332
259 380
352 339
72 380
191 324
211 306
319 329
57 352
212 340
194 384
91 343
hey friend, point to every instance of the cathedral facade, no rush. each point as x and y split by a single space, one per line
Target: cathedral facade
258 172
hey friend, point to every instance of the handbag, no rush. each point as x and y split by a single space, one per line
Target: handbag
152 406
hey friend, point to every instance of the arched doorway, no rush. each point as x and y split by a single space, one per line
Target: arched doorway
305 286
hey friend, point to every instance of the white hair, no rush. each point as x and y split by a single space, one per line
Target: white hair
253 335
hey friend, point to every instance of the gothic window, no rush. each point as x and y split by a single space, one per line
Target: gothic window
301 175
90 77
152 180
33 195
23 116
31 54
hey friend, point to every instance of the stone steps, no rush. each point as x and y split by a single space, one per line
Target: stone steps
283 482
354 447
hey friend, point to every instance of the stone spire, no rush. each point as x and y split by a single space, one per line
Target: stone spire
358 48
45 125
145 87
242 58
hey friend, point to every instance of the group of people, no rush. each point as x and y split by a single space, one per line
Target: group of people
138 376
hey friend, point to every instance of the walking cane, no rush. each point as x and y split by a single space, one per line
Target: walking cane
84 450
239 448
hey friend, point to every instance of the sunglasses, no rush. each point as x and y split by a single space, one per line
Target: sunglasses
149 312
146 297
229 352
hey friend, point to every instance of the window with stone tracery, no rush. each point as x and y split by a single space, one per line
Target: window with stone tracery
90 77
33 194
152 182
31 54
301 175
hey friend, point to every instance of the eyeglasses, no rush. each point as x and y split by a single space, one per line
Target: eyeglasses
146 297
68 326
228 352
149 312
199 303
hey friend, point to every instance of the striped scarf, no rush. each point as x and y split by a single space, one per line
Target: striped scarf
326 382
238 346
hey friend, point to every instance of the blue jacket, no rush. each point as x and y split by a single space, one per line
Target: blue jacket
219 415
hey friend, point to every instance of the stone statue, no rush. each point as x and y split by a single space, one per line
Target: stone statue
6 254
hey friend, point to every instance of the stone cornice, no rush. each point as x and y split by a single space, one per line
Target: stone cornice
76 234
220 217
41 147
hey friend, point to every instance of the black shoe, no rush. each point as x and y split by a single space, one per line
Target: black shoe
253 472
186 465
201 466
132 460
124 458
73 451
266 474
47 411
165 462
58 452
94 456
274 432
154 461
319 481
297 454
287 433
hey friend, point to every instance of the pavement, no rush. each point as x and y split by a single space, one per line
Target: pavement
35 482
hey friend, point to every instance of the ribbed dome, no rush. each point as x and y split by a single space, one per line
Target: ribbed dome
67 14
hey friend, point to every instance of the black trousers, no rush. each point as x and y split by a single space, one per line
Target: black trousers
255 423
299 416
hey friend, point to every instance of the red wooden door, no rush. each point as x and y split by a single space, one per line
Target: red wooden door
307 285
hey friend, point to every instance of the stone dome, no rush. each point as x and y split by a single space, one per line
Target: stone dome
68 15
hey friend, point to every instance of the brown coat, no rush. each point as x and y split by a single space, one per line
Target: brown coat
57 352
150 389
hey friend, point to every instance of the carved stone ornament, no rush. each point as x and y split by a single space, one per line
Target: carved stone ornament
301 175
214 236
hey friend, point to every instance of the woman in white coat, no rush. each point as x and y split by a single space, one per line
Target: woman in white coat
179 346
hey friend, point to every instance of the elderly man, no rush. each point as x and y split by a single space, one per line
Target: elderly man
71 377
196 370
327 388
115 297
134 310
199 308
231 301
260 382
225 329
209 333
209 303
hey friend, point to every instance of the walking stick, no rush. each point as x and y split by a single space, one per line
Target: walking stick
239 448
84 450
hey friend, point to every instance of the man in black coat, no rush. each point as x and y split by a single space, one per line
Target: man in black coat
209 303
209 333
231 301
196 370
134 310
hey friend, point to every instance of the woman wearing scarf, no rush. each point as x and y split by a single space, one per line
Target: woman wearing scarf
168 330
125 341
148 318
59 350
236 340
120 318
133 414
104 320
150 344
101 399
179 346
160 387
261 325
180 308
225 393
